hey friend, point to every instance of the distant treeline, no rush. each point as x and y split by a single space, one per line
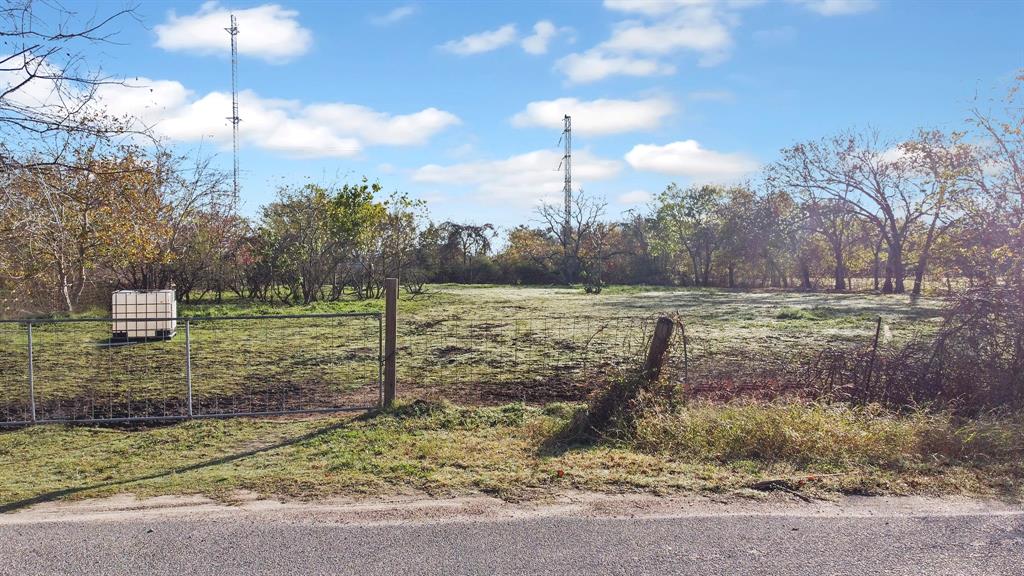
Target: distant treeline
845 207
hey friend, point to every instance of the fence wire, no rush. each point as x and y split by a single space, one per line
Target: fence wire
285 364
764 364
530 359
559 358
79 370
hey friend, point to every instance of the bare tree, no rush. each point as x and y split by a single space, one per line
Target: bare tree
871 178
942 163
833 221
185 190
584 215
47 87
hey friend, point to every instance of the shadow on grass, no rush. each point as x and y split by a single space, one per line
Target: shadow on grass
65 492
575 435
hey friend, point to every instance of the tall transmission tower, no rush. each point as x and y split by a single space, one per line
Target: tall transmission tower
567 165
233 31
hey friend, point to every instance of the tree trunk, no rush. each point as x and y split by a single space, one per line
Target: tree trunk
805 275
922 262
840 272
877 267
894 271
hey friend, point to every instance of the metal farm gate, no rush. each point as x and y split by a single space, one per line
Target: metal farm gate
75 370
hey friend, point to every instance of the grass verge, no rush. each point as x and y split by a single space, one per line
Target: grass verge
509 451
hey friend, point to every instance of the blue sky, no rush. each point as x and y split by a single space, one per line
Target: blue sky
459 103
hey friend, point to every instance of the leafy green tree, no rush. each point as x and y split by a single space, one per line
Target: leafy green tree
309 235
687 222
388 246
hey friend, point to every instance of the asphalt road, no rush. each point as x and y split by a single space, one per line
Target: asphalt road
268 543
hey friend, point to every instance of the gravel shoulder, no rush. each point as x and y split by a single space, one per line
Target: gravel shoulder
418 508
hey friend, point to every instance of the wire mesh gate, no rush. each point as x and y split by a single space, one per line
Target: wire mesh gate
75 370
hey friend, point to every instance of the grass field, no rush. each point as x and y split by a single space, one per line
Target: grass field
475 344
495 345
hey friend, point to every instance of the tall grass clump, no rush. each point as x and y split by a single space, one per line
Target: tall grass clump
837 436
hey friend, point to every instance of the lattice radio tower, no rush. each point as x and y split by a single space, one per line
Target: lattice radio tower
567 165
233 31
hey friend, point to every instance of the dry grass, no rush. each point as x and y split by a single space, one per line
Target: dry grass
827 436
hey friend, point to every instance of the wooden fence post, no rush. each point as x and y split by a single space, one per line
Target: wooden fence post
874 354
659 345
390 338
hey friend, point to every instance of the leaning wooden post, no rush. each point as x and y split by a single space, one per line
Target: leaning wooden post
874 354
659 345
390 338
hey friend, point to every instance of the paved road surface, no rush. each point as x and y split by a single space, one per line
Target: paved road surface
723 540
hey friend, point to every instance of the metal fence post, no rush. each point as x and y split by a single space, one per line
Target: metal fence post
390 337
188 363
31 376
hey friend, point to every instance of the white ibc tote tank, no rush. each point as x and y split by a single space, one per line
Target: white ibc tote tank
141 314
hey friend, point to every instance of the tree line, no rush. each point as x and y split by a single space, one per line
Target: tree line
932 207
826 212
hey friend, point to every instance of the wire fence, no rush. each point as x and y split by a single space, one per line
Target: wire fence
75 370
64 370
540 359
864 362
530 359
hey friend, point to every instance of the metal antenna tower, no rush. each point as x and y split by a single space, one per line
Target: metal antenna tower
567 164
233 31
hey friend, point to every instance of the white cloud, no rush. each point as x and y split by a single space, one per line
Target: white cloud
396 15
482 42
660 29
634 197
596 116
41 92
894 154
543 32
524 179
664 28
269 31
379 128
696 28
838 7
332 129
594 65
687 158
645 7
